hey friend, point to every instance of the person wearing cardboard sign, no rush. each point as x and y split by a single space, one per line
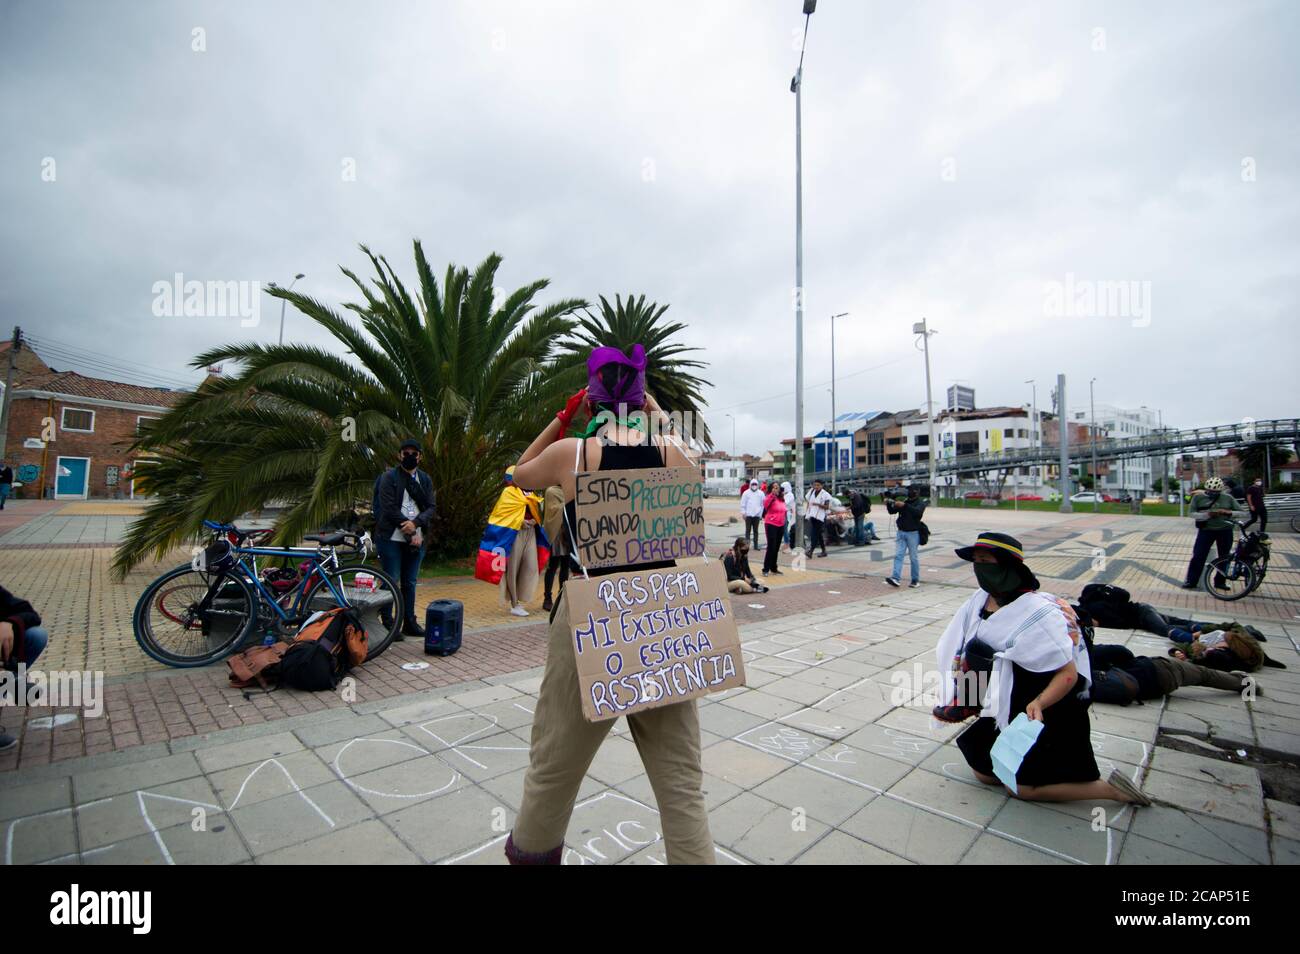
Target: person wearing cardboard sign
563 741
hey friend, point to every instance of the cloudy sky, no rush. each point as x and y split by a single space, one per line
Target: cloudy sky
987 166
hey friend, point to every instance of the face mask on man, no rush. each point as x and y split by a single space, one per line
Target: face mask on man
996 578
410 459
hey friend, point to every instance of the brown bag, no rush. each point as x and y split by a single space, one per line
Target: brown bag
354 642
256 665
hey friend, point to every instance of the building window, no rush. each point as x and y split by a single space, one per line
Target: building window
922 440
78 419
139 419
1009 432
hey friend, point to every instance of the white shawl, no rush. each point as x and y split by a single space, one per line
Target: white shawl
1038 632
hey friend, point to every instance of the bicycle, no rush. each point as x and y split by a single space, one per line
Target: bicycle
1242 571
203 611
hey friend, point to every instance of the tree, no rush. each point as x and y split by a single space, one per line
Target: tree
670 376
1254 457
309 430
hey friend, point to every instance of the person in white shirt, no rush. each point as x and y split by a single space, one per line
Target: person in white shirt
819 502
751 508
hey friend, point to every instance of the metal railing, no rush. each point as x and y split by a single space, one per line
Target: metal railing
1285 430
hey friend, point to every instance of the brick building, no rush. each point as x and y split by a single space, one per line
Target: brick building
69 435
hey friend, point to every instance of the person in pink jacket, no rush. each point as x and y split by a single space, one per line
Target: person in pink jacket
774 525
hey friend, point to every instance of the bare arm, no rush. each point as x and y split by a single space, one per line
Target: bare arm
1056 690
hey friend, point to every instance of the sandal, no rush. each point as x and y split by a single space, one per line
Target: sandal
1121 781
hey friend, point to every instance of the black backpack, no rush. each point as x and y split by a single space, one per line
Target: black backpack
1109 606
319 656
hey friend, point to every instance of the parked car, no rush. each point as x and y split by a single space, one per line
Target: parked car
1026 497
975 495
1088 496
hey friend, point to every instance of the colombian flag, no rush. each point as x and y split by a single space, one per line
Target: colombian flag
504 524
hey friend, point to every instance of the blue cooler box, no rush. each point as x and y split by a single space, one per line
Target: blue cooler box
443 621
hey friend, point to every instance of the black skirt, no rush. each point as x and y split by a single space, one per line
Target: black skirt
1063 752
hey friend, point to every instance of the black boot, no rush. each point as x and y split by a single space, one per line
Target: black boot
412 628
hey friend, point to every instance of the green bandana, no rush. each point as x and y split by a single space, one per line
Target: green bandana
635 420
995 578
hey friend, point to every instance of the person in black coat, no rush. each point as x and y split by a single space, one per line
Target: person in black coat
404 506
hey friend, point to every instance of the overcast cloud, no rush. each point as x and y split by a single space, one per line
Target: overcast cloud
958 157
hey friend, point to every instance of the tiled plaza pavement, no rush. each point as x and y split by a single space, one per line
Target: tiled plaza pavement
811 762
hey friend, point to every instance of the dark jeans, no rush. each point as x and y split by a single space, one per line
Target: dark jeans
402 563
1220 539
1262 517
751 531
774 533
817 534
558 564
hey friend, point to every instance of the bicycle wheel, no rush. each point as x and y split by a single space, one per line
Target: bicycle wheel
1295 523
173 626
1228 579
373 604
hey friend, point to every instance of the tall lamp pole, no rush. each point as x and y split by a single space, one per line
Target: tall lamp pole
282 303
1034 434
835 435
796 87
922 329
733 436
1092 403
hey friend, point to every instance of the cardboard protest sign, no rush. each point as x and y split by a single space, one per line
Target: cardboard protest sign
628 517
648 638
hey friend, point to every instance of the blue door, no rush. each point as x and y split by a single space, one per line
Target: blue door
71 479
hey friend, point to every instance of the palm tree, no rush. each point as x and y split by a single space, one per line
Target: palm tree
670 377
309 430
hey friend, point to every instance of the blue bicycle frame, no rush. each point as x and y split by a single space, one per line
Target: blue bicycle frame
253 577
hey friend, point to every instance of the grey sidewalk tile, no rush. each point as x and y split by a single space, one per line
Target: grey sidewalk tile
742 765
1238 804
489 756
910 832
484 695
270 778
340 729
403 784
818 795
1054 832
414 713
69 768
365 753
279 822
992 850
40 837
126 816
1284 818
971 801
724 720
368 843
35 798
233 754
1137 850
102 783
734 818
1211 838
442 827
1203 769
778 836
893 743
763 704
838 848
1286 851
219 844
832 726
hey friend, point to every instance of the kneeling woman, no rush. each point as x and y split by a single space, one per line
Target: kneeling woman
1040 667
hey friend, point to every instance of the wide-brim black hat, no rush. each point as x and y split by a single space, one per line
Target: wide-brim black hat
1006 549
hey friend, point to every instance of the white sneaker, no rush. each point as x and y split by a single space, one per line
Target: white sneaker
518 611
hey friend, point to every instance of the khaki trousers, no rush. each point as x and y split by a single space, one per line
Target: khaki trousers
564 743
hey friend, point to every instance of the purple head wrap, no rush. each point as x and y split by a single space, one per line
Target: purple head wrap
630 388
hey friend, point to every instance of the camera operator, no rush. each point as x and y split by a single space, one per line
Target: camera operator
907 538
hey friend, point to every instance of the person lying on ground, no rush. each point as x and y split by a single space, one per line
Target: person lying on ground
1120 678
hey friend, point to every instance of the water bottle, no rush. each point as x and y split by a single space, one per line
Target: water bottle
269 639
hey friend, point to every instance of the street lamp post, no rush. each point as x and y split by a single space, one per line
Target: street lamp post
1092 403
922 329
1034 434
835 437
733 435
796 87
282 303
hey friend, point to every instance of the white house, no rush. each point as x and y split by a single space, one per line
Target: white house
1135 474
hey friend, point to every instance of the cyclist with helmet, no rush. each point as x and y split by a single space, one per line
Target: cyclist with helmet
1213 512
